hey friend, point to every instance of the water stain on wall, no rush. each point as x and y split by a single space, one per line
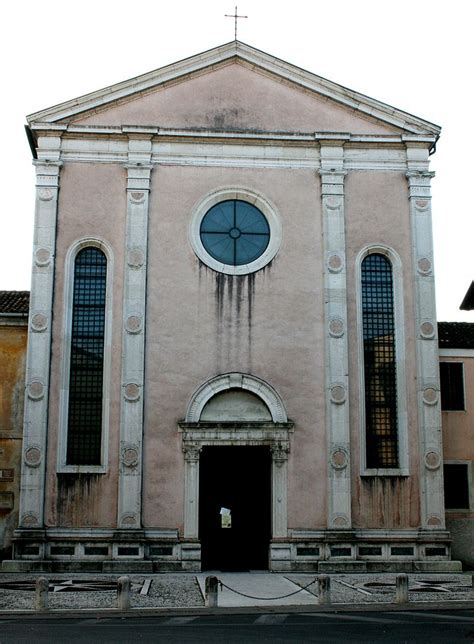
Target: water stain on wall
386 502
78 499
234 317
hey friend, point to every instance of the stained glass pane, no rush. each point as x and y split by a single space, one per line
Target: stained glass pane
235 232
249 248
87 356
220 246
220 218
379 363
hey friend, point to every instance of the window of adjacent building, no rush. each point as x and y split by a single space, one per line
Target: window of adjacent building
380 368
87 358
235 232
456 486
452 386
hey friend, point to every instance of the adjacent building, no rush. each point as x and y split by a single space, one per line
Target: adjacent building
456 343
13 339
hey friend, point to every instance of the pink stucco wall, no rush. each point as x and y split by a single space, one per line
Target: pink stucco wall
458 434
201 324
377 213
92 203
235 97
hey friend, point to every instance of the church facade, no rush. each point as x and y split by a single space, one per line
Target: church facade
232 359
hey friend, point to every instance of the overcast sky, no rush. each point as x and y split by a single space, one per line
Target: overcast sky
415 55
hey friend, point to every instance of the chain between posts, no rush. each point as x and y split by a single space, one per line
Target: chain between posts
237 592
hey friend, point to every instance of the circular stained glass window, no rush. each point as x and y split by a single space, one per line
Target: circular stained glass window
234 232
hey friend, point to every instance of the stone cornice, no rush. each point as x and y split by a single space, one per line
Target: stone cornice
202 134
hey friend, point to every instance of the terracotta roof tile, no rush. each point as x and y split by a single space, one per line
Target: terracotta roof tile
456 335
14 302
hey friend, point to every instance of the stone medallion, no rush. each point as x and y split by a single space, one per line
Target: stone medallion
430 396
32 456
427 330
335 263
338 394
424 266
35 390
336 327
432 460
136 258
130 455
339 458
29 520
42 257
39 322
132 392
133 324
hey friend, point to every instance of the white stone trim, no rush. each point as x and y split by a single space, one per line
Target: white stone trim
400 349
208 149
243 194
456 353
133 335
332 175
38 356
195 435
62 465
226 381
427 351
242 434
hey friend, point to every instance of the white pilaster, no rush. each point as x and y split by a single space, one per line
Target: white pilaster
39 338
192 453
280 452
428 388
133 346
337 381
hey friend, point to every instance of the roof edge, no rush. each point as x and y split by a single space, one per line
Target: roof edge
237 49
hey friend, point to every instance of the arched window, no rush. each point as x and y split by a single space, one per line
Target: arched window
380 364
86 367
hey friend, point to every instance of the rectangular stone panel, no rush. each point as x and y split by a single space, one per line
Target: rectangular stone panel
6 500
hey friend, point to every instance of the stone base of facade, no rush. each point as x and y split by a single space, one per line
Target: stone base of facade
154 551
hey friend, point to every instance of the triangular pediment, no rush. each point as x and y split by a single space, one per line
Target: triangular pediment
234 87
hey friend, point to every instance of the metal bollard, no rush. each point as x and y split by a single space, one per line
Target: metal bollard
324 589
401 589
123 593
41 593
211 588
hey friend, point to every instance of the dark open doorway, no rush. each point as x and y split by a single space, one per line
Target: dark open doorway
235 479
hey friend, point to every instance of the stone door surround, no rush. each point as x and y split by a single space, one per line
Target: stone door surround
196 434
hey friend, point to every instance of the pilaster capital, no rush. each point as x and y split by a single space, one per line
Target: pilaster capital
192 451
420 175
332 181
419 182
138 176
280 451
47 173
332 175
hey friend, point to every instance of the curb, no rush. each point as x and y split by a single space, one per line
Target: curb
107 613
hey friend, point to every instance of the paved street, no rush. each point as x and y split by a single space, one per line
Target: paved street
407 627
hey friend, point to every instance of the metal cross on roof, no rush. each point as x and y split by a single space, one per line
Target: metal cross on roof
235 16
